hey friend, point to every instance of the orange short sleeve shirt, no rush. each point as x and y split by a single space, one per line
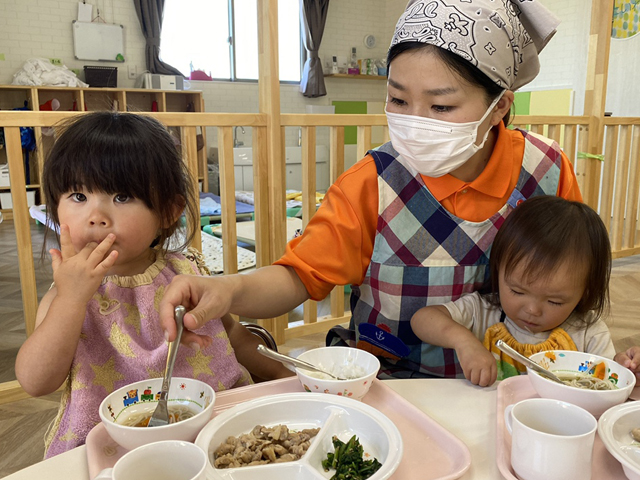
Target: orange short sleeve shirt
337 244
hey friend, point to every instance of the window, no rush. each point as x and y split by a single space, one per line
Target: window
220 37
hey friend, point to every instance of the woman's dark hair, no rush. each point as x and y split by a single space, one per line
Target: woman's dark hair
545 232
468 72
123 153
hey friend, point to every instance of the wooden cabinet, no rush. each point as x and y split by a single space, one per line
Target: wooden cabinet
88 99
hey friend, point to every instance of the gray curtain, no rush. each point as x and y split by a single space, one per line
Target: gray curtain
313 15
150 16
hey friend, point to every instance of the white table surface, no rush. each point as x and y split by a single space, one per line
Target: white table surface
467 411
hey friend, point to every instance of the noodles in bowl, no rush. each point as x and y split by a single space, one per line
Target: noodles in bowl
585 381
177 413
592 382
126 411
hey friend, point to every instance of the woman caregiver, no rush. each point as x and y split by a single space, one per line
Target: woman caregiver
412 223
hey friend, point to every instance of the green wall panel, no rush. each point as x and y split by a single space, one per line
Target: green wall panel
350 133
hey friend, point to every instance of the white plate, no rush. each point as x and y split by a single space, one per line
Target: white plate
614 428
335 415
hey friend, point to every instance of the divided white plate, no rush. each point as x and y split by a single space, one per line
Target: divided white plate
335 415
614 427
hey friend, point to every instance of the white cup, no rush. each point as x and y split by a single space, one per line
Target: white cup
166 460
550 439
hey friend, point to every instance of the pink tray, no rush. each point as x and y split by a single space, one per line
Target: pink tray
430 451
514 389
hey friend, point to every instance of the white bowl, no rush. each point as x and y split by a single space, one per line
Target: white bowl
570 362
342 417
335 359
614 427
140 397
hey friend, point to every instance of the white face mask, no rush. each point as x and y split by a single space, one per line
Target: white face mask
435 147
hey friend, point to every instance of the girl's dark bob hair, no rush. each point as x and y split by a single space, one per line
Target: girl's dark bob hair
545 232
458 65
125 153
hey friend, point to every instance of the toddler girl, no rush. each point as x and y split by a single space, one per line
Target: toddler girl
117 186
549 274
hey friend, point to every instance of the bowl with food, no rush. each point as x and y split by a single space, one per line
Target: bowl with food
619 430
125 413
357 367
301 435
592 382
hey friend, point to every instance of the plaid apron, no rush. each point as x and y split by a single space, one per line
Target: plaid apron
423 255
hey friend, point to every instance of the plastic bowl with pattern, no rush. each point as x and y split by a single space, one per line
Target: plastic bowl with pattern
191 399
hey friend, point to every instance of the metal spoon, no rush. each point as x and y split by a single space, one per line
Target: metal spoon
161 414
529 363
267 352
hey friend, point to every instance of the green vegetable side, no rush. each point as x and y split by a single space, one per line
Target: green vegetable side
347 461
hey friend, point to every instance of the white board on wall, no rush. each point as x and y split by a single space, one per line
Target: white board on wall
97 41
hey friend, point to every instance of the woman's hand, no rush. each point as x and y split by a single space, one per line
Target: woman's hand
630 359
204 298
478 364
78 275
265 293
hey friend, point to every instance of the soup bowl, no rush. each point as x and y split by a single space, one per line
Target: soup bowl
357 366
191 399
565 363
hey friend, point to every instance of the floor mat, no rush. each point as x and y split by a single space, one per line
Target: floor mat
212 252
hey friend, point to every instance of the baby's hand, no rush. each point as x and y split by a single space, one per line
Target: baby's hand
78 275
477 363
630 359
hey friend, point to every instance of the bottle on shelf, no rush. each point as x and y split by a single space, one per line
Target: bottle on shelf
353 63
334 65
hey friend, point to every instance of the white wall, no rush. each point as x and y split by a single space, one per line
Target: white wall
42 28
623 81
563 62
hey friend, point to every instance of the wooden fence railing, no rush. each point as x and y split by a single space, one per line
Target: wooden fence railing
619 176
611 186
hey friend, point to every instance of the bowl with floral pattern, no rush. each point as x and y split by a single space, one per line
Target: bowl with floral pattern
592 382
357 367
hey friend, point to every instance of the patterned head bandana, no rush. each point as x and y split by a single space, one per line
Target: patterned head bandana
502 38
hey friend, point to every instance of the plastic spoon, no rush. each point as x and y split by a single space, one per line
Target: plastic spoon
267 352
503 347
161 414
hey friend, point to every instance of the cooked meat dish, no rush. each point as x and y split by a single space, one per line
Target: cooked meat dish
263 445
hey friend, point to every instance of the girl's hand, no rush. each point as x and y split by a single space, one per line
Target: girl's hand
630 359
78 275
478 364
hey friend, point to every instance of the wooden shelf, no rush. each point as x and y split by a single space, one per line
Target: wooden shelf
361 77
91 99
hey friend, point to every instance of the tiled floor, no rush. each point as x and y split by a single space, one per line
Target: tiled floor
23 423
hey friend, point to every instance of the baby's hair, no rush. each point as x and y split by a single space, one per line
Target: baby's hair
545 232
123 153
463 69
